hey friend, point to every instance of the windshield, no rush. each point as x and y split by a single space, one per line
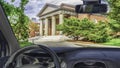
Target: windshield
55 23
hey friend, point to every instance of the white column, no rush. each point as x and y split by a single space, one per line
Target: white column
53 25
61 20
46 26
41 27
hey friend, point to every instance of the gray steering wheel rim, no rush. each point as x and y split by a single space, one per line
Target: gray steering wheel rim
21 51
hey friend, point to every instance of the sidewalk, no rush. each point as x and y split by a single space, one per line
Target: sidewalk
55 38
60 38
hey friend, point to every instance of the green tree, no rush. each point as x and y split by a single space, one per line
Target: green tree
114 10
95 32
70 27
114 15
100 33
21 27
9 8
33 28
18 19
76 28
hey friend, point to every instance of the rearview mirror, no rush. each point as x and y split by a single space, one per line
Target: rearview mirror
91 8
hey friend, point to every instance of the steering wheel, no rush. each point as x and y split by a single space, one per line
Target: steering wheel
10 64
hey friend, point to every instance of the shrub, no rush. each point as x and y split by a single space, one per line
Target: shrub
115 28
95 32
101 32
70 27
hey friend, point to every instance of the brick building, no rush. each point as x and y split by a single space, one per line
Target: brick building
52 15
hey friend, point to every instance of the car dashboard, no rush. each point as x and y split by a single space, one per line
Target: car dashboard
73 57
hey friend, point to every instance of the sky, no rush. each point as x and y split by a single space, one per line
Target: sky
34 6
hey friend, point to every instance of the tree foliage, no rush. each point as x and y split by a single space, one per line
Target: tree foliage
9 8
114 10
100 33
33 28
96 32
18 19
22 23
114 15
70 27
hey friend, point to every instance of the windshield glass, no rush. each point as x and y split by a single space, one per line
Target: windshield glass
55 23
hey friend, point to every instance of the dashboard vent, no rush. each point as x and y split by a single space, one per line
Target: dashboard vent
91 65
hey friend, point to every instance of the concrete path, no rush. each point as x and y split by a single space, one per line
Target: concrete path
59 41
57 44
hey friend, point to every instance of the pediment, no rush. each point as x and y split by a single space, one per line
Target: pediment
48 8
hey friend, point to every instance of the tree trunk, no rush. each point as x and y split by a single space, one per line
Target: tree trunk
76 38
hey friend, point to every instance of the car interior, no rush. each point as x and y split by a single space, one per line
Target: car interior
41 56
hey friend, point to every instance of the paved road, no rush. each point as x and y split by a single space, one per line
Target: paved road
58 44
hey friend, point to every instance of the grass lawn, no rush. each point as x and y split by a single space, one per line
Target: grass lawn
24 44
113 42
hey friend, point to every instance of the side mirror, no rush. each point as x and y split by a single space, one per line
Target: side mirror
91 8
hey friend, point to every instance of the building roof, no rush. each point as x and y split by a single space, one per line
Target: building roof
46 5
56 7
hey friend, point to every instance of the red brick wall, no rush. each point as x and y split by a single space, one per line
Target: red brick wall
93 17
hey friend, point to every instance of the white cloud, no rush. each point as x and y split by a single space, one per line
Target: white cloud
58 2
34 6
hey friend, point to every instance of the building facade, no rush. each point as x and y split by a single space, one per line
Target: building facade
52 15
